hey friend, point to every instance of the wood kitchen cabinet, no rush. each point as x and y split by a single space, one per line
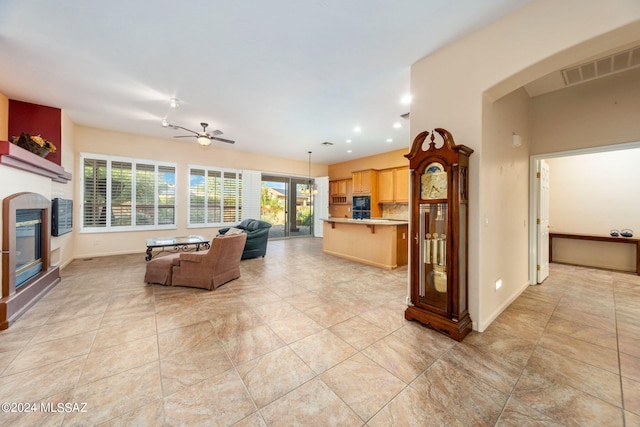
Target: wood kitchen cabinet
393 185
364 182
340 191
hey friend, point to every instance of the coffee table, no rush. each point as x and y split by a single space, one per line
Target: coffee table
177 243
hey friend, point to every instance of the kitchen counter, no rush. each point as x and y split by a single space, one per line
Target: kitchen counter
378 241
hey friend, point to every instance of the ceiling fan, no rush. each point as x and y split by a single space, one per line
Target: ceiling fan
203 137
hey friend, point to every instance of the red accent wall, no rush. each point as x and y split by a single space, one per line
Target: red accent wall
37 120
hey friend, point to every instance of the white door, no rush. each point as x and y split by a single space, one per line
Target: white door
320 205
543 221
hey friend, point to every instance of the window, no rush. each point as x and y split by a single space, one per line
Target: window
125 194
215 196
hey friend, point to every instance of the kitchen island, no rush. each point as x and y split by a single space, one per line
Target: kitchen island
378 242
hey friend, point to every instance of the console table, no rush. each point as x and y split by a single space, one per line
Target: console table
177 243
627 240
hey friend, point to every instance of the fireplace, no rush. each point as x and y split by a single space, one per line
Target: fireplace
26 272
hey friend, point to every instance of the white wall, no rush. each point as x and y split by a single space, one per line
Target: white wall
593 194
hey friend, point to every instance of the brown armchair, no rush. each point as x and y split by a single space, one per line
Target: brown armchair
205 269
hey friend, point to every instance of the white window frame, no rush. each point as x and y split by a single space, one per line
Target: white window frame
108 228
238 196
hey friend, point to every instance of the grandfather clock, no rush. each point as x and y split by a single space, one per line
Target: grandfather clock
439 230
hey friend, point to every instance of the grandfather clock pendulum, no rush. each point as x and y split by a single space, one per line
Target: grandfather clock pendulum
439 227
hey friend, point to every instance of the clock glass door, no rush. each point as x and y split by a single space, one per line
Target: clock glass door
432 291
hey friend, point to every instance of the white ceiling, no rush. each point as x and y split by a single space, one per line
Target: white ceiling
279 77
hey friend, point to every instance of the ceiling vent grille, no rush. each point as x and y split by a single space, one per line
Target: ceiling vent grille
615 63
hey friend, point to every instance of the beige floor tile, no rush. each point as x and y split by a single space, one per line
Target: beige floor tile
117 395
330 314
162 355
592 354
120 334
251 344
630 367
491 369
363 384
148 415
313 404
275 311
631 393
217 401
412 408
114 360
358 332
582 376
295 327
273 375
400 357
564 403
470 400
38 354
37 384
517 414
67 328
182 339
233 323
322 350
191 366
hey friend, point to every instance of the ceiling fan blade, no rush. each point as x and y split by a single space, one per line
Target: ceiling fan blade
184 136
188 130
228 141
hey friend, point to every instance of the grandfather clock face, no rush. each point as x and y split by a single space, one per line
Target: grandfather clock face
433 183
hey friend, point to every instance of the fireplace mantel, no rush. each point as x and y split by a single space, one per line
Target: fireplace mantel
18 157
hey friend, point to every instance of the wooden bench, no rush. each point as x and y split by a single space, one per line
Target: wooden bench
626 240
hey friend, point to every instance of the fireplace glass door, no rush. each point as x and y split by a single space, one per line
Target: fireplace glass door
28 244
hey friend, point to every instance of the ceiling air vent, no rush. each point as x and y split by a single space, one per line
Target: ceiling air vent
615 63
327 143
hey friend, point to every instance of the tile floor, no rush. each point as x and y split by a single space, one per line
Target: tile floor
307 339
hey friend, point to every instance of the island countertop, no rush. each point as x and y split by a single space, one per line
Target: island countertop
376 221
378 241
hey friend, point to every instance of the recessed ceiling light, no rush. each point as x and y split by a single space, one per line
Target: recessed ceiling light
174 102
349 151
406 99
348 141
397 125
165 123
389 140
357 129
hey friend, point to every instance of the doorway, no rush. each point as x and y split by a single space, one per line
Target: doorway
287 204
538 250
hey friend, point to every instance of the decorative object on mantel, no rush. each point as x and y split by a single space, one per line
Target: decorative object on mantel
626 233
35 144
614 233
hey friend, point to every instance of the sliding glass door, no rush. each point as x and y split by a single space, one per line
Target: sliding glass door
287 203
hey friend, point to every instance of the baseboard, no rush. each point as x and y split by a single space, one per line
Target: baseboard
484 325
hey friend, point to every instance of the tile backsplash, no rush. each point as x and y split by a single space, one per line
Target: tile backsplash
395 211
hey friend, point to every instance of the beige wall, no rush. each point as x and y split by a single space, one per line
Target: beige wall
390 159
593 114
504 184
454 87
97 141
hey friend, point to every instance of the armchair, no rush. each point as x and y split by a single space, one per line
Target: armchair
257 233
212 268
